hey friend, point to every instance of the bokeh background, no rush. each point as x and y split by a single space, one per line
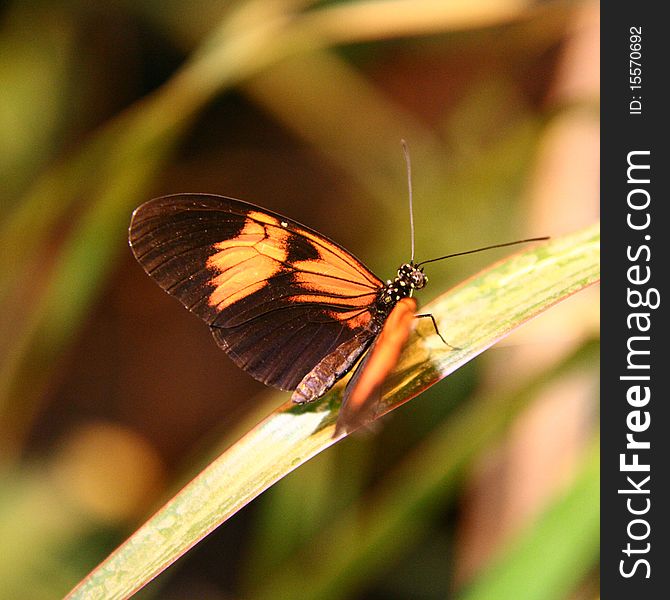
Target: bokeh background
112 396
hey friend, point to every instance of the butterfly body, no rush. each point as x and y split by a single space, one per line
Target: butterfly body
335 365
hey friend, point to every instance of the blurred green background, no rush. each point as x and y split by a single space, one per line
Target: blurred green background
112 396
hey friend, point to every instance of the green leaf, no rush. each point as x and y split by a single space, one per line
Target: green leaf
558 557
474 316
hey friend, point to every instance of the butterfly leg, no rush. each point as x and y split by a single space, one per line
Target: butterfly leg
432 318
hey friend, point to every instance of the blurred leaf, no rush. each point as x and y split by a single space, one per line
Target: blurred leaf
550 558
380 19
35 535
36 58
293 510
290 513
476 314
322 115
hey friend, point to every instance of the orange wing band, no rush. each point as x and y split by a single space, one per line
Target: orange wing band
383 357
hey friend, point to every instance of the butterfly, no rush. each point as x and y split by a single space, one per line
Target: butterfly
288 305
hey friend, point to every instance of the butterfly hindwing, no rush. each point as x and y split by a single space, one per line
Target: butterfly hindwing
277 295
363 392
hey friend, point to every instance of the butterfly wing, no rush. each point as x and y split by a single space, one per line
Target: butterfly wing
277 295
363 392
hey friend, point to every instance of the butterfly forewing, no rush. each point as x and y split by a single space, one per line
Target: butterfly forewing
277 295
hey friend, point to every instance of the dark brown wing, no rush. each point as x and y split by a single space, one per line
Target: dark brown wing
277 295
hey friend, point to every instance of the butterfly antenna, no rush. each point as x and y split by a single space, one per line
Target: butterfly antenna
537 239
408 162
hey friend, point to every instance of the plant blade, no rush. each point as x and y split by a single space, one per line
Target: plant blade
476 314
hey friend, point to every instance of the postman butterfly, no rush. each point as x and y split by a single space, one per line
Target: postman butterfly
288 305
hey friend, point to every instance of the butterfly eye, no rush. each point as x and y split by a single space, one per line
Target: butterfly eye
418 279
411 276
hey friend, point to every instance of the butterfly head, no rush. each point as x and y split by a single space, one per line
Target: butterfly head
411 276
